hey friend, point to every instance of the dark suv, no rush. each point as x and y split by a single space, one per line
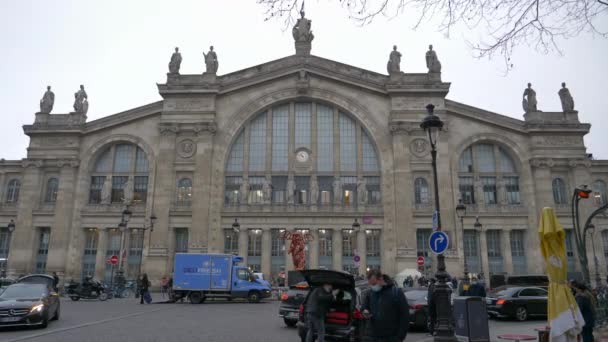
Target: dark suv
344 320
293 298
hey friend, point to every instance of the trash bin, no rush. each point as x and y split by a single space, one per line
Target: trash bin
471 319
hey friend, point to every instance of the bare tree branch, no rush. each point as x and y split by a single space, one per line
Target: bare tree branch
506 24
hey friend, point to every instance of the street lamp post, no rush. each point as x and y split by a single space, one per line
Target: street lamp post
478 227
151 227
432 125
123 226
591 229
236 227
11 229
579 237
461 211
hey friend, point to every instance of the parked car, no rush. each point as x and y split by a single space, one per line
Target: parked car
517 302
291 301
28 304
419 309
6 282
344 320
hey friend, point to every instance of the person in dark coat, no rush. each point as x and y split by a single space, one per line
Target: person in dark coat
387 309
430 299
145 286
476 289
316 309
585 304
55 282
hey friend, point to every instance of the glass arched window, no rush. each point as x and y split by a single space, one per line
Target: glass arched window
311 154
184 191
120 173
559 191
52 187
421 191
600 191
12 191
491 164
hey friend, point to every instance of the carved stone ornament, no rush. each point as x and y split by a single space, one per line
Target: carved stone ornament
168 128
31 163
210 127
579 163
186 148
419 147
538 162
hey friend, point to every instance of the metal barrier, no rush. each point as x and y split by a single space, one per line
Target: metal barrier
601 317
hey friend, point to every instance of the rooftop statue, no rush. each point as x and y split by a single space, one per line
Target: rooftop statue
81 104
176 62
47 101
211 62
529 100
432 62
302 30
394 61
566 98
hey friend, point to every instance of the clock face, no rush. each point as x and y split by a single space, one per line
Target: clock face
302 156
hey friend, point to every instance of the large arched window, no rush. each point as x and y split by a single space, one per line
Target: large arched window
303 153
559 191
492 165
600 191
421 191
12 191
184 192
120 173
52 187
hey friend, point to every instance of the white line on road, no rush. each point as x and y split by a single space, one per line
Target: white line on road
49 332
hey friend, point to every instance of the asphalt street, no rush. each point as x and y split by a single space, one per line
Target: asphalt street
126 320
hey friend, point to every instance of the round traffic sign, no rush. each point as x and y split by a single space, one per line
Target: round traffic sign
113 260
357 258
420 261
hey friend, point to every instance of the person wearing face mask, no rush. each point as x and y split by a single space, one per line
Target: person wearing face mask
386 309
316 309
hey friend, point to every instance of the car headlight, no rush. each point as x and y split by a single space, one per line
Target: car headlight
37 308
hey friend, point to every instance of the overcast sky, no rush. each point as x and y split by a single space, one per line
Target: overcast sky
120 49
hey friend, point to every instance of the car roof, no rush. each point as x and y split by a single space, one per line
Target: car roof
337 279
28 285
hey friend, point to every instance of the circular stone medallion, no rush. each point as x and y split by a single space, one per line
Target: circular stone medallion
186 148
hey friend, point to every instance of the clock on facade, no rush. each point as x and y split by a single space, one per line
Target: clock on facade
302 156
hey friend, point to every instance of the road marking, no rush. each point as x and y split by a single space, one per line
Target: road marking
59 330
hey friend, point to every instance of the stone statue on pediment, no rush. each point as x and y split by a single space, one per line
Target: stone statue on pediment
432 62
127 188
211 62
267 191
362 191
245 192
394 61
176 62
291 189
566 98
81 104
337 185
529 99
106 191
47 101
302 30
314 190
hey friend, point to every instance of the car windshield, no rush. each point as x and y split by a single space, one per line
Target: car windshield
415 295
505 292
23 292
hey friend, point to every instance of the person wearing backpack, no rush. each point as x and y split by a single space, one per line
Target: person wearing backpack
386 309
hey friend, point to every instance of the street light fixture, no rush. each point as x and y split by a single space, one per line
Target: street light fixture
356 225
151 228
478 227
236 227
11 229
126 215
11 226
580 192
433 125
461 211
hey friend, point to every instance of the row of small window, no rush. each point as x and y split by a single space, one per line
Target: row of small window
120 185
14 186
301 196
489 189
42 249
278 244
560 193
471 242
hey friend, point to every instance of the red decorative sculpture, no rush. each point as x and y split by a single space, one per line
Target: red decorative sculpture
297 247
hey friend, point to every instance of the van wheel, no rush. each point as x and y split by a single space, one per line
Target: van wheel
195 297
254 297
521 314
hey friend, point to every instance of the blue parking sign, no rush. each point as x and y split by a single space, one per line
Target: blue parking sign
439 242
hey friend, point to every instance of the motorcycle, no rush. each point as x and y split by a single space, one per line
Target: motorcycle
88 290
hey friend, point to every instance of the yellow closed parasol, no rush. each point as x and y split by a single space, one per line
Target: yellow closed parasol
564 316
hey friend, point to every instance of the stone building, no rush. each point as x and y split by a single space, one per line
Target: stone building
299 143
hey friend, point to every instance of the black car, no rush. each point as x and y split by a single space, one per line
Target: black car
344 320
293 298
517 302
419 310
27 304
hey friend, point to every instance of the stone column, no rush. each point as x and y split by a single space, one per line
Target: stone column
288 260
266 252
336 241
62 223
100 257
243 244
23 241
362 250
314 249
405 229
483 245
125 265
200 193
505 241
2 185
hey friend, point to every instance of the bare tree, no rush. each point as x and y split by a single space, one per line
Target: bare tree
505 24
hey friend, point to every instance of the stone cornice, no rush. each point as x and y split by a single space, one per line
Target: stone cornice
150 109
404 127
35 163
167 128
474 113
579 162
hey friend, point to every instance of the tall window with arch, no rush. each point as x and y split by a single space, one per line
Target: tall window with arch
600 192
421 191
559 191
337 162
120 173
52 188
12 191
184 192
496 171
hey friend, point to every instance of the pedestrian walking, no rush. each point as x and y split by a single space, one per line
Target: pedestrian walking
55 282
144 289
316 309
476 289
163 286
430 299
585 304
386 309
